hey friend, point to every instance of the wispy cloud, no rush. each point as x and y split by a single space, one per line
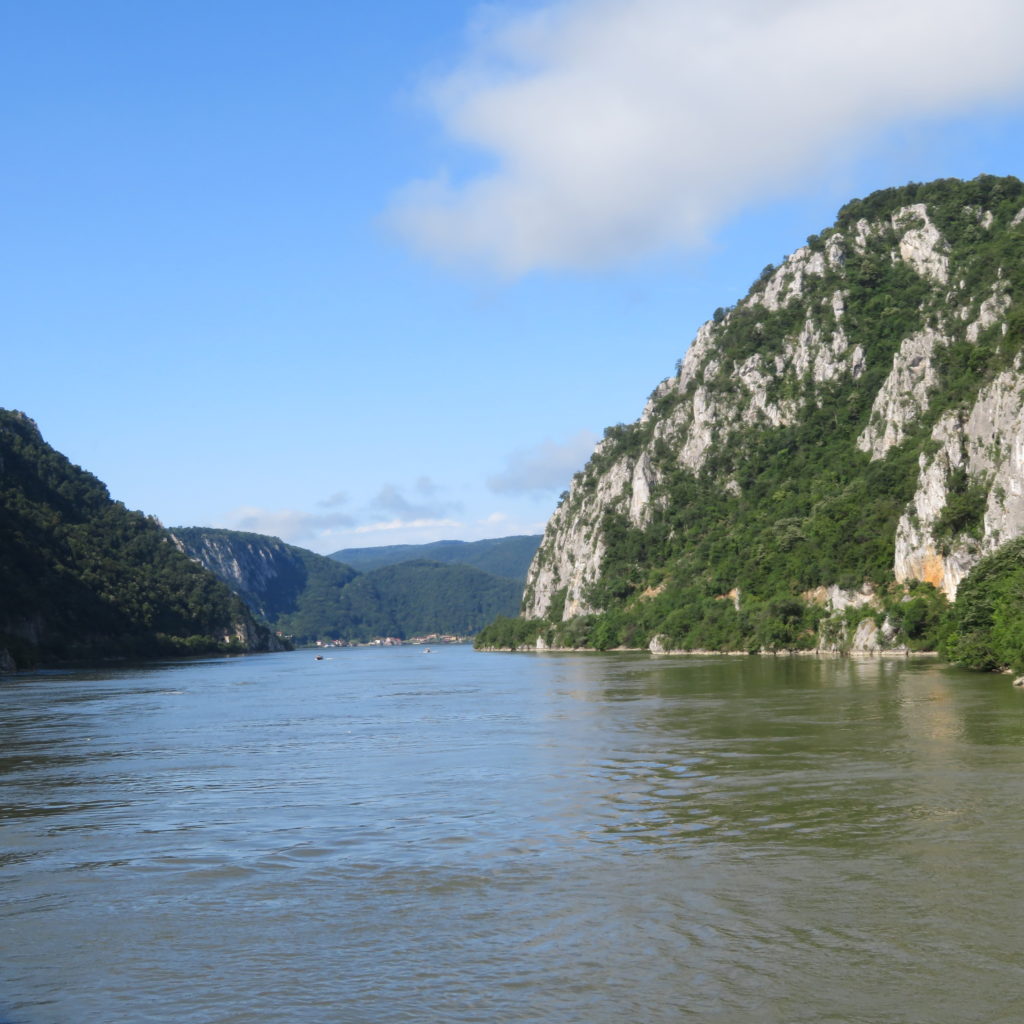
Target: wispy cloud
426 503
334 501
327 533
620 127
546 467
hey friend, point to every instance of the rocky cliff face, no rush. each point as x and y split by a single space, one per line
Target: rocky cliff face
879 365
266 573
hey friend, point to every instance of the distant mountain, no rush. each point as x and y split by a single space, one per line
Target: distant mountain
310 596
83 577
504 556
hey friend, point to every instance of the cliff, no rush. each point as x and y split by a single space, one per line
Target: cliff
833 456
273 578
84 577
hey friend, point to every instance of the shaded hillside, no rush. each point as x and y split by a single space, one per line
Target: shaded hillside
311 597
508 557
84 577
833 456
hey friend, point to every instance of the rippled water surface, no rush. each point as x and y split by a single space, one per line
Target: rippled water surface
390 835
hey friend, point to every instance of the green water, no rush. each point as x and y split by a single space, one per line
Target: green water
391 836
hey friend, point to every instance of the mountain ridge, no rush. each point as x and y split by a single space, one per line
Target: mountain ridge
509 557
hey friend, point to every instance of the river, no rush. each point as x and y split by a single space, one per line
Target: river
391 835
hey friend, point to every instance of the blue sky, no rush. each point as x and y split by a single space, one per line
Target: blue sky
355 276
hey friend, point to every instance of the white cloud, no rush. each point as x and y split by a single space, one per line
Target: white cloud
290 525
544 468
620 127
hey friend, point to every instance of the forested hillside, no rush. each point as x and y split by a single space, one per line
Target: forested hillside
313 597
414 598
84 577
832 458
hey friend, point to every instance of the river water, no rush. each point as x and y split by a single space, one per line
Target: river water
389 835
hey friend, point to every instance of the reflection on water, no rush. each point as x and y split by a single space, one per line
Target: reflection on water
386 837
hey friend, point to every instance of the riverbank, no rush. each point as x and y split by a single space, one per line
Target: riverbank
540 647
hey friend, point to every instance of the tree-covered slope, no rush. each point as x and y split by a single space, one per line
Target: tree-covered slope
84 577
508 557
420 597
313 597
833 456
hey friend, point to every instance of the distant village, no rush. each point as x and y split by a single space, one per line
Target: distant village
394 641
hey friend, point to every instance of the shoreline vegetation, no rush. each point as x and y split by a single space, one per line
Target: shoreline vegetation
983 629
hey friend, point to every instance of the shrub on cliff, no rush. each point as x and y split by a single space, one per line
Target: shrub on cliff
987 621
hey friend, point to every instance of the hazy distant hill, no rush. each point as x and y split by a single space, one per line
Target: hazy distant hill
310 596
504 556
83 577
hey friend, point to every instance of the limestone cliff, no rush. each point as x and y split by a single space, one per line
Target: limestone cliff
857 420
266 573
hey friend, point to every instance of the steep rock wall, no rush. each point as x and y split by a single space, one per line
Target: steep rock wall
266 573
987 447
906 313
